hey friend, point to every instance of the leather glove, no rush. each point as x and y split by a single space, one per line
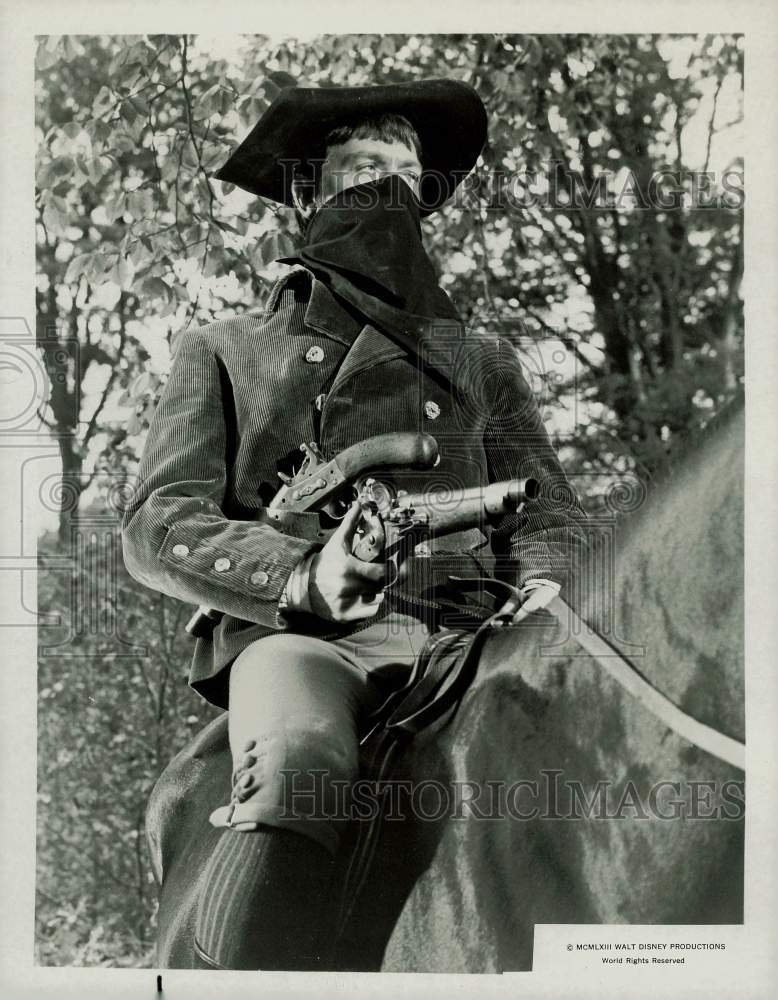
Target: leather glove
535 594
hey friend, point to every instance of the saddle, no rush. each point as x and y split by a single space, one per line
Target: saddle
463 612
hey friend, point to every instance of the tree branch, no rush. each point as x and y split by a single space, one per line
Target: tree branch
92 425
566 340
717 91
44 421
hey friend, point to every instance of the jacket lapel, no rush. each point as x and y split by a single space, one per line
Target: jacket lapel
326 315
439 346
370 348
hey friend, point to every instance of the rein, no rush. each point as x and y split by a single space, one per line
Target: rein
621 670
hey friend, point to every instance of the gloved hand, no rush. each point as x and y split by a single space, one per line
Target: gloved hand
534 595
341 587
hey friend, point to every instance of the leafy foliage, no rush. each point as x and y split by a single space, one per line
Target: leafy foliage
588 232
113 709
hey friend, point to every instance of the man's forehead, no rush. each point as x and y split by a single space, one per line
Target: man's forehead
393 150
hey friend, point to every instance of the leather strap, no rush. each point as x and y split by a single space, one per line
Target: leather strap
710 740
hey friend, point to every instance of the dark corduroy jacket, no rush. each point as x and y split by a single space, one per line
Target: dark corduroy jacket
244 393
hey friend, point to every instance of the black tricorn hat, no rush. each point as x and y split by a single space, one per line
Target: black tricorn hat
448 115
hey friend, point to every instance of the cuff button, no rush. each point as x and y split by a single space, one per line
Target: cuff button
259 579
180 550
222 565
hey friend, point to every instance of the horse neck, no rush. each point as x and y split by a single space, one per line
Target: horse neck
678 581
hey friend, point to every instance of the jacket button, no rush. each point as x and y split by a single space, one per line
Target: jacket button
222 565
431 409
259 579
314 355
180 550
319 401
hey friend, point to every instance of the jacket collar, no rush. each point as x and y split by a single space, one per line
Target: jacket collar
323 313
446 352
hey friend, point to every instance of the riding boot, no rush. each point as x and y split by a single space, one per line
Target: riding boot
265 902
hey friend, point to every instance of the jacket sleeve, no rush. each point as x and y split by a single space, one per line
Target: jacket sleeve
175 536
539 542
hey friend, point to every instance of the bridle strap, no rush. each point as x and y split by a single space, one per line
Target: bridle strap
710 740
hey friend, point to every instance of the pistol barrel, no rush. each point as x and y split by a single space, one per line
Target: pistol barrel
453 510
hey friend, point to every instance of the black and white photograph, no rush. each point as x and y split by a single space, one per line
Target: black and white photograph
384 418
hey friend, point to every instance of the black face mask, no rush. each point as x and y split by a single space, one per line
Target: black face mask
365 245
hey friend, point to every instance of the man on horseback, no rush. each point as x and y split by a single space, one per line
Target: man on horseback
357 340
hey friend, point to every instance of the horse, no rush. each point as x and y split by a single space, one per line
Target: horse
552 795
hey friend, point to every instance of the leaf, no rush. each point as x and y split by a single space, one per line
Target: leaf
140 204
256 107
62 166
122 273
189 156
140 254
99 263
72 49
115 206
223 224
386 46
193 234
124 142
213 263
140 384
98 167
55 222
77 266
72 129
169 307
275 83
275 245
500 80
210 102
155 288
44 59
212 154
45 176
103 102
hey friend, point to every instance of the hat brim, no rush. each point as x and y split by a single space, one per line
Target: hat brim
448 116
